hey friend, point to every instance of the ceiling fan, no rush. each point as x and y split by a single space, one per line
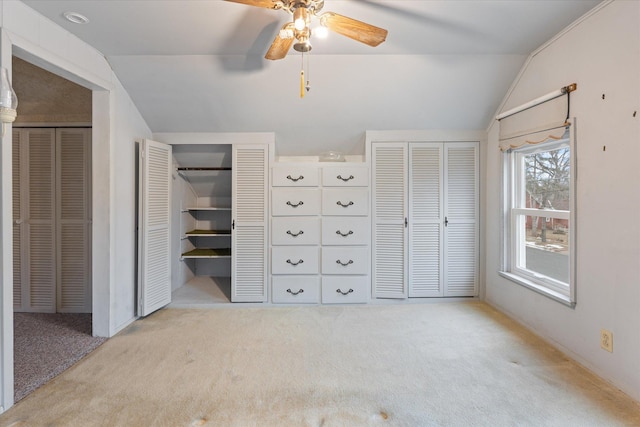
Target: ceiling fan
299 29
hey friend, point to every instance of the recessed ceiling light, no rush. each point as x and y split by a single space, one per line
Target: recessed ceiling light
76 17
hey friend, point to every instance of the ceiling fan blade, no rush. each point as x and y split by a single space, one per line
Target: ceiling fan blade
282 43
268 4
354 29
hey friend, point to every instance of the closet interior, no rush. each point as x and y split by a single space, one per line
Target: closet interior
202 194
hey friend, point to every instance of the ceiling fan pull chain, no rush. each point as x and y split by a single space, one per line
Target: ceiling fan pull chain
308 87
302 77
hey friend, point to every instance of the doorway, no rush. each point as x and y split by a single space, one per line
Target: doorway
52 225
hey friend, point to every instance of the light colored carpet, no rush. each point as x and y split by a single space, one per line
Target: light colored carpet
442 364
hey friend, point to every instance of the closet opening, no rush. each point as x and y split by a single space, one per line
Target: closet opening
201 224
52 286
202 219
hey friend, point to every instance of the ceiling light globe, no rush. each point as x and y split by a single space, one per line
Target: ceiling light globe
301 18
321 32
299 24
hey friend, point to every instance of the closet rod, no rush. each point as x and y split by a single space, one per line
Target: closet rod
204 169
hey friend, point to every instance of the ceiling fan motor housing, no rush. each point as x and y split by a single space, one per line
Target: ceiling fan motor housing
312 6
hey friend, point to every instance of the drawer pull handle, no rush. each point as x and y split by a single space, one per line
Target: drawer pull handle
344 264
295 234
300 261
343 205
295 179
300 203
295 293
345 179
344 234
344 293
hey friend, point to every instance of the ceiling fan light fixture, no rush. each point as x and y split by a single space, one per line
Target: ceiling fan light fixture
321 32
286 33
299 24
301 18
303 12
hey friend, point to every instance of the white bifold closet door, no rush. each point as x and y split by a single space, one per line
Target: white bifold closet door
249 213
461 204
52 220
390 243
426 220
154 226
425 233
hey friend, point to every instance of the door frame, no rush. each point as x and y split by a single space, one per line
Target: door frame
101 261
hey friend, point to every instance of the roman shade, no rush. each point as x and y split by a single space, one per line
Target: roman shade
543 119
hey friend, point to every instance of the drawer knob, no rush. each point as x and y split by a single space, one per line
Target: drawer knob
343 204
295 234
295 179
344 293
344 234
295 205
344 264
295 293
345 179
300 261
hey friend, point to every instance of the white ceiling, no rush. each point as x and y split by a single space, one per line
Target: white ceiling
198 66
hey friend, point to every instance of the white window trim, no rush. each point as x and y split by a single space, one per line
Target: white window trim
543 285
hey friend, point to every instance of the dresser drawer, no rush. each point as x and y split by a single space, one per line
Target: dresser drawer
345 260
292 175
295 289
338 230
295 202
345 201
295 231
345 290
345 176
294 259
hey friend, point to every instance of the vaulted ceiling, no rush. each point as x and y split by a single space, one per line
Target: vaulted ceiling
198 65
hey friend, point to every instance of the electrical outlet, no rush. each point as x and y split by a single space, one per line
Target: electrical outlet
606 340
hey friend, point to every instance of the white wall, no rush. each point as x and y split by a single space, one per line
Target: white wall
128 125
602 55
116 125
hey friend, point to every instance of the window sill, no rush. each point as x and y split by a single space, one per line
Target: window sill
556 296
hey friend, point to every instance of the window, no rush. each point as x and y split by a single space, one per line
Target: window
539 222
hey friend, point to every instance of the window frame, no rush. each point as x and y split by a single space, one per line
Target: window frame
513 214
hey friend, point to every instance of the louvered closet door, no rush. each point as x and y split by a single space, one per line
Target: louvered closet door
154 239
389 188
249 242
425 220
39 280
461 212
18 222
73 216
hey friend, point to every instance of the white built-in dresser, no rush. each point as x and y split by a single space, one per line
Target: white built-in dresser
320 233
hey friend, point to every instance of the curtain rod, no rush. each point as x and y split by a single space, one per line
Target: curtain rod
548 97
